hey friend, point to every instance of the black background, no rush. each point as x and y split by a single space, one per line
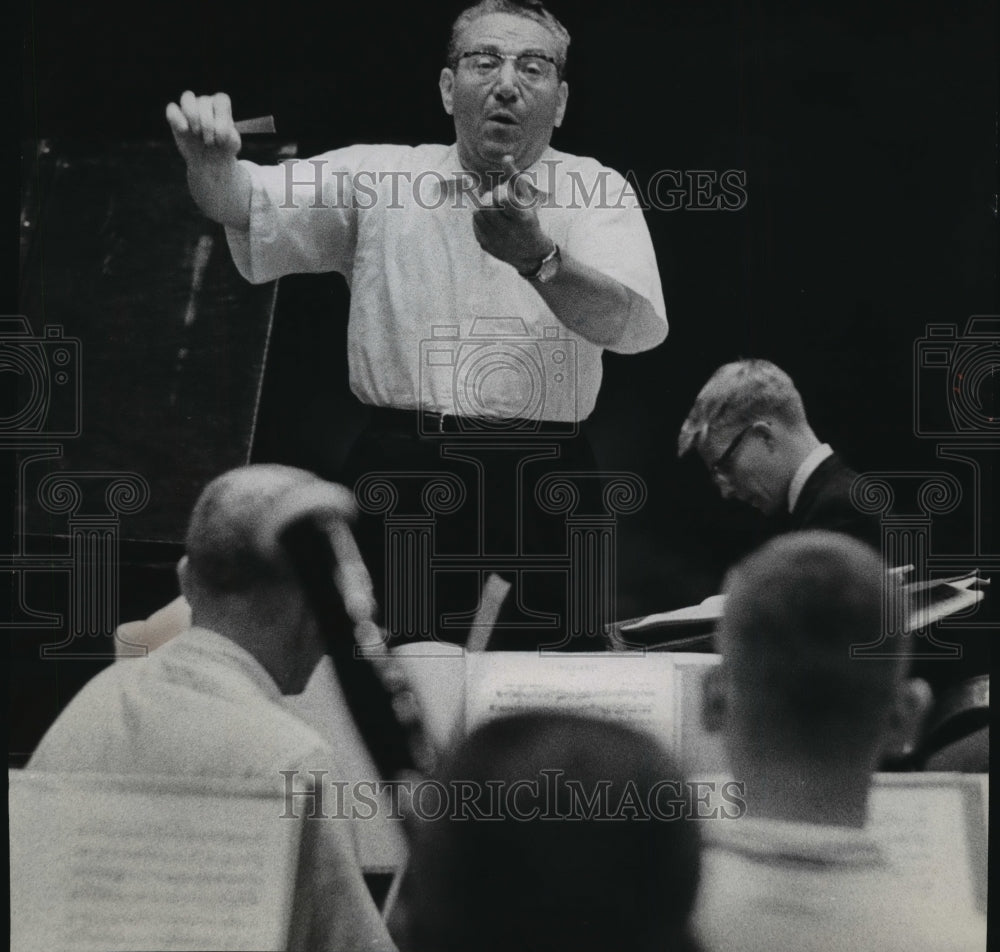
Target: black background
867 134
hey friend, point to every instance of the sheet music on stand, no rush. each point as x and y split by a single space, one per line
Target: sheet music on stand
935 599
109 863
927 602
934 827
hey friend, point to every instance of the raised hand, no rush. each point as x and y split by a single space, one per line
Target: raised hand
203 129
206 137
506 223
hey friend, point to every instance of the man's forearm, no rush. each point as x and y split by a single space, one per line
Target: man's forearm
222 190
595 306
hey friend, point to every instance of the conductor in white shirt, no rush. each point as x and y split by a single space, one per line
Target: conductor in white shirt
487 278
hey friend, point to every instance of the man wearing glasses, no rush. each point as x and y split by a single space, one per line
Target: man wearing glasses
487 277
749 427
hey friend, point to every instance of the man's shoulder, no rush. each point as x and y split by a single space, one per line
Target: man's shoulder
578 166
384 156
582 181
769 884
835 467
830 482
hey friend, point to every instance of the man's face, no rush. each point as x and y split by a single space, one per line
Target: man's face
505 114
745 463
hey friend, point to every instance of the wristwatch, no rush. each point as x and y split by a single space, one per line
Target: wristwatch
547 268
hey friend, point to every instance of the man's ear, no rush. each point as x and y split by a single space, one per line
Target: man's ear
765 431
906 718
183 573
561 108
446 83
713 700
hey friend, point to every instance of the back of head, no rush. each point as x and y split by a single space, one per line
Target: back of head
529 9
564 853
226 552
738 394
794 611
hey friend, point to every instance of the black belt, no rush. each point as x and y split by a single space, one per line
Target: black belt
426 422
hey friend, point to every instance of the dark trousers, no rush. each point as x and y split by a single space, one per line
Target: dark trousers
443 510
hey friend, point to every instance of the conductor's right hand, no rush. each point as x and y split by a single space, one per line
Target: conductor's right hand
203 129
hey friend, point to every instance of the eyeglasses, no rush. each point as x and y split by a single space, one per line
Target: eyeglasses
531 68
721 466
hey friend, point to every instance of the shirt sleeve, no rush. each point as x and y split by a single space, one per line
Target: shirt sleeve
303 215
611 236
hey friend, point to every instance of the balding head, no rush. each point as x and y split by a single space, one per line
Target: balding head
232 534
237 575
224 540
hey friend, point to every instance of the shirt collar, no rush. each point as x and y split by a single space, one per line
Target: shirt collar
540 174
806 468
816 844
213 645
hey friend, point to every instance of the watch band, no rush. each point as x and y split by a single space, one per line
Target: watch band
539 272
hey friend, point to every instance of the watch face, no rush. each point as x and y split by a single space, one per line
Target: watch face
549 268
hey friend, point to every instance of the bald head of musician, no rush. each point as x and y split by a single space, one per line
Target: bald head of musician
239 581
804 722
537 869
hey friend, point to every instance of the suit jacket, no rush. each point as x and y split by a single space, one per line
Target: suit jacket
825 503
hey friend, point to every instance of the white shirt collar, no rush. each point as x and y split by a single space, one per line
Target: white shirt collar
214 647
540 175
806 468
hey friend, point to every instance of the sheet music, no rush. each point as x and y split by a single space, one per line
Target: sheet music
436 671
636 689
109 864
708 610
931 605
932 828
702 752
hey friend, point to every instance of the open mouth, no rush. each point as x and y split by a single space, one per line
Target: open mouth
503 118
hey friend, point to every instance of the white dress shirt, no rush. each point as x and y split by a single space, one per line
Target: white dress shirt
806 468
201 706
396 221
772 886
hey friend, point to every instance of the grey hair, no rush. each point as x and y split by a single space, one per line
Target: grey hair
529 9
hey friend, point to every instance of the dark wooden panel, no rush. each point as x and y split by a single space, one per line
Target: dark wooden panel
146 344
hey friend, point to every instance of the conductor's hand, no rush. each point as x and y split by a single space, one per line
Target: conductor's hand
203 129
506 225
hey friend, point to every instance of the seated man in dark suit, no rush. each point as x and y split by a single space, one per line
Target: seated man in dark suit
749 426
558 832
